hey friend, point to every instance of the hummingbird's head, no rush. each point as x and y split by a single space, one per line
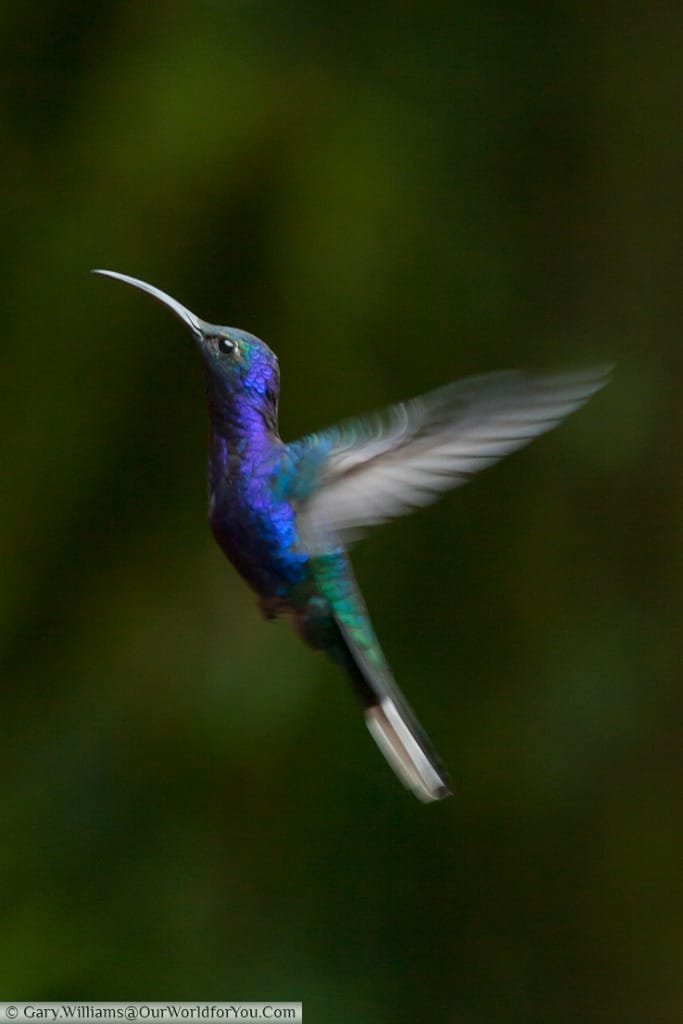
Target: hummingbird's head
235 361
238 361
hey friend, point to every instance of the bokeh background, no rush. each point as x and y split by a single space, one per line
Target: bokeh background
393 195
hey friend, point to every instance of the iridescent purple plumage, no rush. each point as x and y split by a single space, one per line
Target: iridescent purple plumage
283 514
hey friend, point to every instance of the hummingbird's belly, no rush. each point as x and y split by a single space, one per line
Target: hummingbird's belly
263 545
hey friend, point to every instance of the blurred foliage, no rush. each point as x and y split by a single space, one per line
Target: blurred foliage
392 195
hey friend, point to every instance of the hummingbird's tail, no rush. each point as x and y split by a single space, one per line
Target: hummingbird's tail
391 722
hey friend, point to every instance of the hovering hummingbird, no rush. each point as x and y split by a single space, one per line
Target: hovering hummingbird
285 513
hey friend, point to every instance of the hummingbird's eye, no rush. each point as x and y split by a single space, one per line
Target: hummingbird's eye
225 346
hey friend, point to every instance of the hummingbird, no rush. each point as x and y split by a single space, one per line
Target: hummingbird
285 514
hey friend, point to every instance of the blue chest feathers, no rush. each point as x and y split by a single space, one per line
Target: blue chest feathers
255 526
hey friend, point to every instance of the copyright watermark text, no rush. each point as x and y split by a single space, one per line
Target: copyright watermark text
202 1013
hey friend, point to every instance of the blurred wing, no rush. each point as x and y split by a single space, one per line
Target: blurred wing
386 465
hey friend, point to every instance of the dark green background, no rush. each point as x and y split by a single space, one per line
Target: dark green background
393 195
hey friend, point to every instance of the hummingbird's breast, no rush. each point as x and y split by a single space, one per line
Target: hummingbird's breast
257 530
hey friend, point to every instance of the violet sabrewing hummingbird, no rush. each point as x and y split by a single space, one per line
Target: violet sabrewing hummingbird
284 514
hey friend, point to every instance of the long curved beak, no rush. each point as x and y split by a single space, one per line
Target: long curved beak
197 326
